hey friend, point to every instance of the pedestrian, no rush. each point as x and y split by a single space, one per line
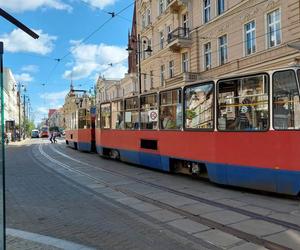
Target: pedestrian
8 137
51 137
54 137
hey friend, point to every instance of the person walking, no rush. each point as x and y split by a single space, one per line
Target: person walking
51 137
54 137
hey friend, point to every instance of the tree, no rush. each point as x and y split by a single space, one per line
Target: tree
29 126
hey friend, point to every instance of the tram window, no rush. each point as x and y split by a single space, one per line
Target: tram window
88 118
132 113
117 115
105 115
170 109
74 120
243 104
286 106
98 117
199 106
81 118
149 111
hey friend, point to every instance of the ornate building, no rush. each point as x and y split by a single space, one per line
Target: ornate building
198 40
75 100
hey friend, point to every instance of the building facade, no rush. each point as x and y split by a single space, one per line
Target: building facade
74 102
108 89
200 40
13 107
56 119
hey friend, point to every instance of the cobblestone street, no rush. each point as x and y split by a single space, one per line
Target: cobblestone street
66 199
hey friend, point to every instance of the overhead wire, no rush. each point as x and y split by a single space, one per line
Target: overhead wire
113 14
201 25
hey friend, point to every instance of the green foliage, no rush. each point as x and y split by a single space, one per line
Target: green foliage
190 114
54 129
29 126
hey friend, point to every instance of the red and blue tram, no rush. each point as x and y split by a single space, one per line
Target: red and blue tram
81 134
44 131
239 131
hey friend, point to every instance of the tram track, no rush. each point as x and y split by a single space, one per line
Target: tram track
190 196
196 218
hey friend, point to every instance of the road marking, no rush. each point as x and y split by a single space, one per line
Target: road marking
197 219
46 240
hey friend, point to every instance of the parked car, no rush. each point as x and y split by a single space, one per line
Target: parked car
35 133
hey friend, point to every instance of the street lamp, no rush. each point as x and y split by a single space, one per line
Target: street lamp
19 87
139 51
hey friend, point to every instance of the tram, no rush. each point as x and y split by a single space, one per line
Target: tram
44 131
238 131
80 121
82 136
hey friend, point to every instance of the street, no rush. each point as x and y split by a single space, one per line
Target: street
84 201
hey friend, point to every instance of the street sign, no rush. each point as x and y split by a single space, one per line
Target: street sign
153 115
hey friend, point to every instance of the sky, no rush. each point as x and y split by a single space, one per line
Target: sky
80 33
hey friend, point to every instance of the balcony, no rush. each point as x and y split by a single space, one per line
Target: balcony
176 5
179 38
183 78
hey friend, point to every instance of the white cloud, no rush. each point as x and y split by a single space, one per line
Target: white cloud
30 5
54 99
42 110
18 41
92 58
24 77
101 4
30 68
39 113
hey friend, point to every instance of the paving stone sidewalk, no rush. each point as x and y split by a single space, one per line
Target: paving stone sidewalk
16 243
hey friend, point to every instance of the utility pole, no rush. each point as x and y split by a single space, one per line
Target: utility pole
138 53
19 103
19 86
24 115
20 25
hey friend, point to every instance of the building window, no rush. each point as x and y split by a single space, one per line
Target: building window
222 49
145 82
250 45
150 45
221 6
162 39
274 28
206 11
162 75
168 29
143 51
161 6
143 21
185 24
185 62
148 17
151 79
171 69
207 56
